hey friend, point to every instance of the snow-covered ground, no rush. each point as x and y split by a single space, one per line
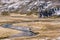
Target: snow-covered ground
58 12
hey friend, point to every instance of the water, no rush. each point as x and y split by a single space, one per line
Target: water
23 34
26 31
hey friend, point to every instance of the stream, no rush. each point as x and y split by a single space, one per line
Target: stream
26 31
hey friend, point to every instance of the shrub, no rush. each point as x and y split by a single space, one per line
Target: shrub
5 13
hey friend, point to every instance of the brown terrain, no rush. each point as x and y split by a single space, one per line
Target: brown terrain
47 28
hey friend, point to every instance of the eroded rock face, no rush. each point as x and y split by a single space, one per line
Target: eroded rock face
23 5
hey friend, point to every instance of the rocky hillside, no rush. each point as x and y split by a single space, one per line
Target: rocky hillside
23 6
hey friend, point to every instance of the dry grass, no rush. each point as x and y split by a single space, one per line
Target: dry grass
5 32
40 25
45 29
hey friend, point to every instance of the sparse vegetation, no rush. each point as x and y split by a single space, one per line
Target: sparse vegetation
5 13
26 14
45 27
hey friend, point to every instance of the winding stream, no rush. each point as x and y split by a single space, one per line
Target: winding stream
26 31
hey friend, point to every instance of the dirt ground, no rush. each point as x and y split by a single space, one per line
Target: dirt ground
47 28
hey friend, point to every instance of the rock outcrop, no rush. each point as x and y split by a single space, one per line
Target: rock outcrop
24 5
